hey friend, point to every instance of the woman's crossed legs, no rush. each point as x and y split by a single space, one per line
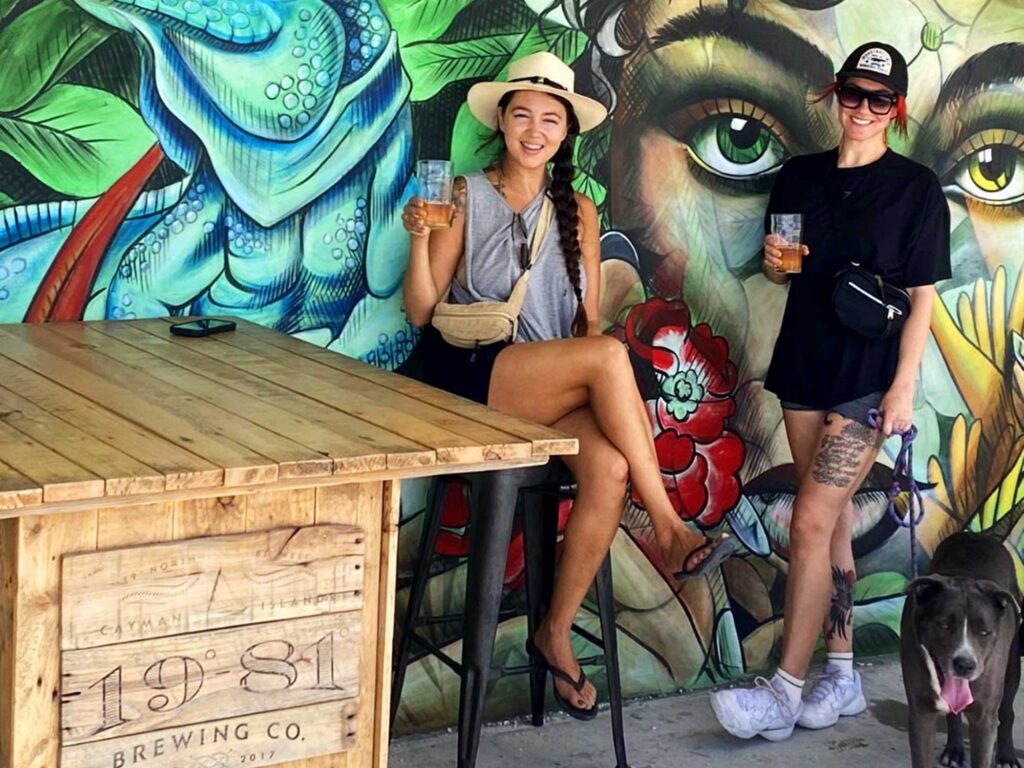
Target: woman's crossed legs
585 387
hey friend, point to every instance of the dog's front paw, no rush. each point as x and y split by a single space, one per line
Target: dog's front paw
953 757
1008 760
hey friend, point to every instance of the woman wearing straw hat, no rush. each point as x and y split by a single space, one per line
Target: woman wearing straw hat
558 369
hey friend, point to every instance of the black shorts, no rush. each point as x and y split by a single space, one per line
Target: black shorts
463 372
855 410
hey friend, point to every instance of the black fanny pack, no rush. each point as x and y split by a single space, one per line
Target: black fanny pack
868 304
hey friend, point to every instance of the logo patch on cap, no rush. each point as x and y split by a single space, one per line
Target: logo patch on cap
876 60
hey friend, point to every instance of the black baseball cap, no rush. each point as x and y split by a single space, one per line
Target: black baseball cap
880 62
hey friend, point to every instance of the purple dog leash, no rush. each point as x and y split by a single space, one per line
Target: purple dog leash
904 466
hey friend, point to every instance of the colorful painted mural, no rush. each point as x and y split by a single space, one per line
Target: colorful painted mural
250 157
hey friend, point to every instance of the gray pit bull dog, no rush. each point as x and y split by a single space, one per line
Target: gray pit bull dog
960 652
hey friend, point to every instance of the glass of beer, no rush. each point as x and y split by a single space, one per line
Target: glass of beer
435 183
789 226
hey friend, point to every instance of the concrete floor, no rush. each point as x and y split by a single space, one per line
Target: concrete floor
681 731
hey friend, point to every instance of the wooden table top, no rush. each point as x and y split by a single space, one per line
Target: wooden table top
124 410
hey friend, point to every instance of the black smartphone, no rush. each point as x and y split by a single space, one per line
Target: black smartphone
204 327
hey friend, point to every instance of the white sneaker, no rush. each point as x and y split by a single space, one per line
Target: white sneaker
759 711
832 695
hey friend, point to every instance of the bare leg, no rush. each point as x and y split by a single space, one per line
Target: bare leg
594 371
803 429
845 452
601 473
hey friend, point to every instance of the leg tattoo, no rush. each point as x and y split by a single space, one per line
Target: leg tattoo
840 610
838 458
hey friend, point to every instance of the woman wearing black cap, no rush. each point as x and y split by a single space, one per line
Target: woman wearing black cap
875 229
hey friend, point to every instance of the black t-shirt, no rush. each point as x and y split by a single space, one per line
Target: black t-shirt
891 217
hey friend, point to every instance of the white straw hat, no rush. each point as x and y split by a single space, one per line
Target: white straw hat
543 72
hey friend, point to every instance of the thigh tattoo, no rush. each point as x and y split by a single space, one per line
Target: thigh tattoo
837 461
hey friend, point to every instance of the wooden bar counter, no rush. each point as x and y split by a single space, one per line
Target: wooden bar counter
197 543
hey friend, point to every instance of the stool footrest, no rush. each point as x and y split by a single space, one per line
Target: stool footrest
588 636
436 650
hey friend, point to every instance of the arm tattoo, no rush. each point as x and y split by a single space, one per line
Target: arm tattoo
838 459
840 609
459 198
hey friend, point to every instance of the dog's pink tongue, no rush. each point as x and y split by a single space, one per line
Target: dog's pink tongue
956 692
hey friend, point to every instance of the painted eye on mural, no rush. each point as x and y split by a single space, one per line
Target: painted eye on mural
737 146
731 139
990 167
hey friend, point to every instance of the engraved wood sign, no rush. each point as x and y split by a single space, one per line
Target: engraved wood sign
224 651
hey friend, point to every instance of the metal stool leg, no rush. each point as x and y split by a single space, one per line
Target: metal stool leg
540 529
493 511
418 588
606 609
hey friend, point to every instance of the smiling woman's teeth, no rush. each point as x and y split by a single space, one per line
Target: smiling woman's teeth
533 147
860 122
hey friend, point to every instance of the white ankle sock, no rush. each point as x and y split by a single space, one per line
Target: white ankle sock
793 687
844 661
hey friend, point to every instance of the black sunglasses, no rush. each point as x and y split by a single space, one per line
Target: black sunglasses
524 248
850 96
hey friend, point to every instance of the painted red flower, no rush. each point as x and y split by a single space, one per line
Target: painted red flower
688 383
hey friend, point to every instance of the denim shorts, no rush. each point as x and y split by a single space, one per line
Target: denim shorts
855 410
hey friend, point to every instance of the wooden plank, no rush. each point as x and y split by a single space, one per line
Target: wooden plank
134 525
237 491
121 474
209 516
446 445
8 601
116 596
181 468
494 443
16 490
35 694
60 479
278 509
170 412
545 440
168 682
364 402
390 521
355 444
272 738
362 506
247 420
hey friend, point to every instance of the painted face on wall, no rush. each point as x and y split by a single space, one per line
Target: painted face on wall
715 96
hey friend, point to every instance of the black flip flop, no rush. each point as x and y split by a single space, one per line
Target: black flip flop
721 548
567 706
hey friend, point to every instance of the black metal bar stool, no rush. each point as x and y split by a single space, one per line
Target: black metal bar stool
535 493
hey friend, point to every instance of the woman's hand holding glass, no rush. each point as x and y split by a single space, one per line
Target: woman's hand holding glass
773 254
414 218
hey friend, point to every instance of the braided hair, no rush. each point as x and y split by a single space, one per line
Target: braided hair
563 171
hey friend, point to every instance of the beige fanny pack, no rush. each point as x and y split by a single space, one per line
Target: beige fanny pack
488 322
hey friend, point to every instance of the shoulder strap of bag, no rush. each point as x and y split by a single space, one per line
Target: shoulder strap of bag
518 296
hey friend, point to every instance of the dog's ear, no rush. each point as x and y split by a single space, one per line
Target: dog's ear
925 588
1001 597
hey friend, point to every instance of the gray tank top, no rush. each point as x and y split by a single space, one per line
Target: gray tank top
492 244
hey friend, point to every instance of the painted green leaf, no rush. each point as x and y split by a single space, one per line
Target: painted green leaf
877 585
6 6
432 66
566 44
5 200
40 46
76 140
593 146
469 135
416 20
